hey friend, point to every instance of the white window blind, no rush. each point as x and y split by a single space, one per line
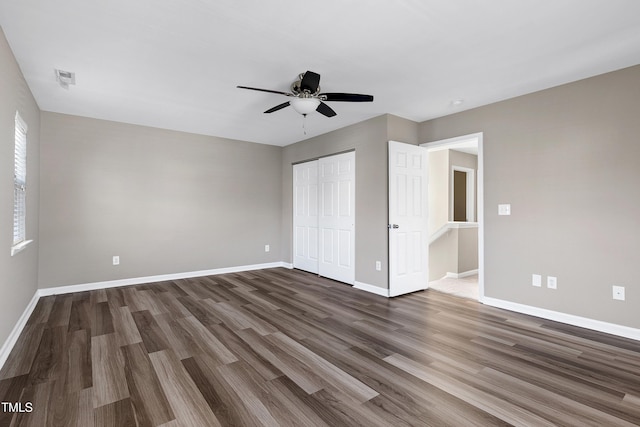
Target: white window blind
20 182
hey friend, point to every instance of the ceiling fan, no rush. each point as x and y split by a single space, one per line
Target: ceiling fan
306 97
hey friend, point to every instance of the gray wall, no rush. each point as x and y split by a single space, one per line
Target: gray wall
467 249
456 251
165 202
567 160
438 190
18 273
402 130
443 255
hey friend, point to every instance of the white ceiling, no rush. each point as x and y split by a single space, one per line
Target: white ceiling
175 64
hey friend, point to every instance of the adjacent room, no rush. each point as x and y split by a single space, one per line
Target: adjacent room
379 213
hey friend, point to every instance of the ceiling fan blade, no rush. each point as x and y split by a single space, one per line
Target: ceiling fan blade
325 110
310 82
265 90
347 97
277 107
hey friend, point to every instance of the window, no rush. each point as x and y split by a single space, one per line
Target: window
20 187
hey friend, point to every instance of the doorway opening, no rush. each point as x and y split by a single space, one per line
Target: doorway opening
455 216
463 190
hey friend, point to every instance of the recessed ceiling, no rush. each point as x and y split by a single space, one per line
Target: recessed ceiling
176 65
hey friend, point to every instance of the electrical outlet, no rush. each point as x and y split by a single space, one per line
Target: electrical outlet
378 266
504 209
267 248
116 260
552 282
618 293
536 280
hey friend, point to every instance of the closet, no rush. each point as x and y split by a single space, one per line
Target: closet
324 216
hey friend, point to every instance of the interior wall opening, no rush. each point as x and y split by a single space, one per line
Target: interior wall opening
455 238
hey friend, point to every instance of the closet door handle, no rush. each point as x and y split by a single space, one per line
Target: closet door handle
393 226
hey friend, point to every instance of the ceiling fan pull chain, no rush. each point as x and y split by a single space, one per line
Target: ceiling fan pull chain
304 121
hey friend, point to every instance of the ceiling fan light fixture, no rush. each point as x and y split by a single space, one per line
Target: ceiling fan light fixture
304 106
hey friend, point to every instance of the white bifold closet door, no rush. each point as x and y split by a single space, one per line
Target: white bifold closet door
324 217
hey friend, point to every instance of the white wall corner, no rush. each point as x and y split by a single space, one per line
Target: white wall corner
17 329
569 319
372 289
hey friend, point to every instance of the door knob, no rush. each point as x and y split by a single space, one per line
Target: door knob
393 226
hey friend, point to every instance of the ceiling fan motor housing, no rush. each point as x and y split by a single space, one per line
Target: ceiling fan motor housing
297 90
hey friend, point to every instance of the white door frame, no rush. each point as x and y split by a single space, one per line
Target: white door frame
461 141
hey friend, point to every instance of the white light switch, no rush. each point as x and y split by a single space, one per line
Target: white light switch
116 260
504 209
552 282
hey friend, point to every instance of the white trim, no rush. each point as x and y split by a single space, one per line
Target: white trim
17 329
19 247
463 140
448 226
160 278
480 218
467 273
371 288
569 319
452 143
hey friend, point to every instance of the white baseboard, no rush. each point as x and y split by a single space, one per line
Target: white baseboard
160 278
17 329
370 288
569 319
450 275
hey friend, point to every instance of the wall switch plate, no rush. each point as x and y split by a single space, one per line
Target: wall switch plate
378 266
552 282
504 209
618 293
536 280
116 260
267 248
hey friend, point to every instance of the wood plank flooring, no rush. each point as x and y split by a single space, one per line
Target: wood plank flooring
283 347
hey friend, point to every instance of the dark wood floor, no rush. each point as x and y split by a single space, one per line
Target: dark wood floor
282 347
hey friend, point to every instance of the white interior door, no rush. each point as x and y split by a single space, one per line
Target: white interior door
408 237
305 216
337 217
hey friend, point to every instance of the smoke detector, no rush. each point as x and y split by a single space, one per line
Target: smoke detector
65 78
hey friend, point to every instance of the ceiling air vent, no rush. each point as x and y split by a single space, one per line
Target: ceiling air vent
65 78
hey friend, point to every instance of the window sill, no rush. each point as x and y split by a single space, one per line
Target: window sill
19 247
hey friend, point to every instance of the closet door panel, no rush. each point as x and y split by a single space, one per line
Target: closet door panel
337 217
305 216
